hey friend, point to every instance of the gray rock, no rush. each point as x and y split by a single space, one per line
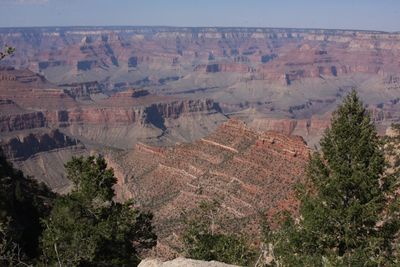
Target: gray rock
182 262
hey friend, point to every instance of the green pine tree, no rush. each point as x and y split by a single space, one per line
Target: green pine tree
8 51
344 204
88 228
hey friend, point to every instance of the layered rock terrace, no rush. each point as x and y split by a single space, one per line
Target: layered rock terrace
247 171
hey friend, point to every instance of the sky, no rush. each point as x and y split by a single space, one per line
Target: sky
327 14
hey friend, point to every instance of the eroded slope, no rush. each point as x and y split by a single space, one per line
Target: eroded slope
247 171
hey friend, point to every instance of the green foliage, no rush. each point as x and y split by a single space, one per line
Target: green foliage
204 240
23 203
92 180
88 228
9 250
344 219
8 51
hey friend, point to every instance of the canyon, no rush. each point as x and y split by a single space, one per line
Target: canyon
43 124
184 115
249 173
265 76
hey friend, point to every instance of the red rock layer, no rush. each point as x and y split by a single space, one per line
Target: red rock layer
28 101
246 170
281 55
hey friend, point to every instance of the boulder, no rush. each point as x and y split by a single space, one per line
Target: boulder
182 262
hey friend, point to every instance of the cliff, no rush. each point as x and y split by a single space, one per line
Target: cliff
42 154
247 171
29 102
293 74
23 147
283 55
120 86
43 125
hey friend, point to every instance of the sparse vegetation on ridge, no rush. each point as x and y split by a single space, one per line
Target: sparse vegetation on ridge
206 239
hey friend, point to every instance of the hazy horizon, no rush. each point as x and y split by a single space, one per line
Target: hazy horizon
190 27
369 15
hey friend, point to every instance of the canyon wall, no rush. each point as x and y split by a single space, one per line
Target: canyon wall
294 74
155 101
246 171
21 148
28 101
43 125
42 153
115 87
283 55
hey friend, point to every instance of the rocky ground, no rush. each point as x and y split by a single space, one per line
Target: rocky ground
182 262
248 172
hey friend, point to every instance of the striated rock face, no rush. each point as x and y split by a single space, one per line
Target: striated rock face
42 125
153 113
283 55
16 122
246 170
13 79
28 102
285 80
27 90
293 74
83 89
42 154
21 148
310 129
129 94
182 262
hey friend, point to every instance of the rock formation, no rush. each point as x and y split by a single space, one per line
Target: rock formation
152 100
21 148
38 117
280 74
42 153
28 101
182 262
283 55
247 171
